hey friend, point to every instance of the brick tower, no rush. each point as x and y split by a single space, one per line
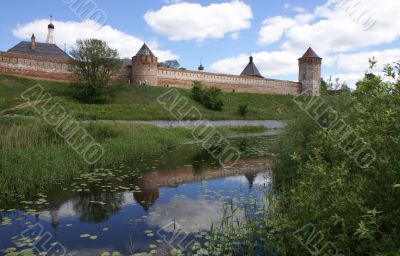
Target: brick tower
144 67
310 72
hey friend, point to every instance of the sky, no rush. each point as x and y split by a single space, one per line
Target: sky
222 34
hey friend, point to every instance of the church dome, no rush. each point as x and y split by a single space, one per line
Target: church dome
50 26
201 68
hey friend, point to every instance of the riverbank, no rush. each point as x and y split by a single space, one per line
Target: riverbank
35 158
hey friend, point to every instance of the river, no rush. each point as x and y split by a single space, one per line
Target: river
142 206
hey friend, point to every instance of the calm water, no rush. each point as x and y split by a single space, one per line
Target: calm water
138 207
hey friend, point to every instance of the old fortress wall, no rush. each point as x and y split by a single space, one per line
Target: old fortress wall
184 79
47 68
144 70
34 66
48 61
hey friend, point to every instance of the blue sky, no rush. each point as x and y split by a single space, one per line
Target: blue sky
223 33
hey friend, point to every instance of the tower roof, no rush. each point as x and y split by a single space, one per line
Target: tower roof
251 69
51 23
145 50
310 54
201 67
41 50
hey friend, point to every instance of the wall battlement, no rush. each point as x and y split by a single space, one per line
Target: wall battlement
184 79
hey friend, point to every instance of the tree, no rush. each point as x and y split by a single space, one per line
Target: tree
94 64
324 87
169 64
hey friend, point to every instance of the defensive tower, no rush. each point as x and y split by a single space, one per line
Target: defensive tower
144 67
310 72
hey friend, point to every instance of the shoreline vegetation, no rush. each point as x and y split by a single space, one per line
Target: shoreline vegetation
35 158
327 200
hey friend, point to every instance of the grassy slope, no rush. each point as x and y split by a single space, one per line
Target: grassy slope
139 103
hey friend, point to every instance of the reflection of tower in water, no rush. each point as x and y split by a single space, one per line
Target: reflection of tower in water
146 197
54 218
250 178
150 183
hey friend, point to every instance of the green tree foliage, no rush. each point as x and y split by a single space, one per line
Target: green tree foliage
94 64
243 109
324 87
354 207
169 64
208 97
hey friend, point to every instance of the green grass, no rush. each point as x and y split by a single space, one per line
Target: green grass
140 103
34 158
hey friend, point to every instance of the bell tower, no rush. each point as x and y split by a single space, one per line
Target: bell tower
310 72
51 39
144 67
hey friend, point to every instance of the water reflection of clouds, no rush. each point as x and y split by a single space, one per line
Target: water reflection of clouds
191 215
90 251
66 210
260 180
128 199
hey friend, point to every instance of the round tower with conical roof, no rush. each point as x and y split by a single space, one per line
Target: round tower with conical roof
144 67
310 72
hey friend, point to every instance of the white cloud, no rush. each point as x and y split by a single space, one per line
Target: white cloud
192 21
294 8
339 31
353 66
358 62
350 79
69 31
274 28
337 26
268 63
235 35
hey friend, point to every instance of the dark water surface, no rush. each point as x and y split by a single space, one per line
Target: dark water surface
137 207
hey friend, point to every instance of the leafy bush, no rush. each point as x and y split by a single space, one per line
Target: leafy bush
243 109
355 207
208 97
197 91
97 94
327 200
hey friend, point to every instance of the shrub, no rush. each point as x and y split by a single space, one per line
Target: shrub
208 97
243 109
87 93
355 206
197 91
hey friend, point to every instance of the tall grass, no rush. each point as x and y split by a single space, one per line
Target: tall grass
34 158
